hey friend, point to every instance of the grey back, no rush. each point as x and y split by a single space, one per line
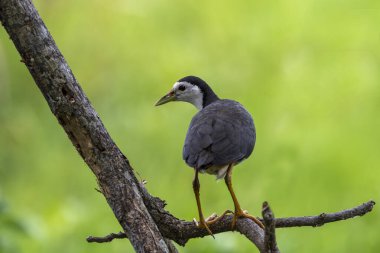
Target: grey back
220 134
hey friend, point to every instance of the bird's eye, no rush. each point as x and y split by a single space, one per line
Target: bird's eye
182 87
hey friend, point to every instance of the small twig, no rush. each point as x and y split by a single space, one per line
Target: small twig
323 218
107 238
122 235
270 243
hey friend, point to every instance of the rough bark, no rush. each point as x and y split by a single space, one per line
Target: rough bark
323 218
270 243
81 123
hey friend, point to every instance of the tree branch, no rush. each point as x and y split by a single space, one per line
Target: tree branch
323 218
122 235
245 226
270 243
107 238
81 123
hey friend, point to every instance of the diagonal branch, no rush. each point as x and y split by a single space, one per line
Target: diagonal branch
81 123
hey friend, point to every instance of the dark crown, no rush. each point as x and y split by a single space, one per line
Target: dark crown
208 94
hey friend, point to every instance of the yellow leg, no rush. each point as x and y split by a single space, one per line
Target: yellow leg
196 187
238 211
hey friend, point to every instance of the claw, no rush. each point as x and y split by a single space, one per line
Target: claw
203 224
196 222
211 217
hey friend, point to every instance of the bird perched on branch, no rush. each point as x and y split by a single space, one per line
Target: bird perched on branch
221 135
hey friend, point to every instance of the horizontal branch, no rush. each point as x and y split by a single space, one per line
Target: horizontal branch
323 218
181 231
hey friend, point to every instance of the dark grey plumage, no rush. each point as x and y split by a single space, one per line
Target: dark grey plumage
220 134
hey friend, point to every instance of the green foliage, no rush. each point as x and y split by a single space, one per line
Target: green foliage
308 71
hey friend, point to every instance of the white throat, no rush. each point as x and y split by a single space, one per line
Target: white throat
192 94
198 101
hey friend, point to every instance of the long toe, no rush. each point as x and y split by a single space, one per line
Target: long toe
209 220
241 214
214 218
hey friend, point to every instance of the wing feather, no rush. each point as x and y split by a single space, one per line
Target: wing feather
220 134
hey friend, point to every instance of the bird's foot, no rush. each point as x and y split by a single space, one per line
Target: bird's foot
212 219
244 214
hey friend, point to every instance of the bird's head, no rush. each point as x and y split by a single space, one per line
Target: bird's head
190 89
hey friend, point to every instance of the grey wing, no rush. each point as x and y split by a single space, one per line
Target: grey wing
232 141
196 151
218 141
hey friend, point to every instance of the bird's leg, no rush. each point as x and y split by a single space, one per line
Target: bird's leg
196 187
238 211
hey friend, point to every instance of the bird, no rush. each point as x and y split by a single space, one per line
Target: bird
220 135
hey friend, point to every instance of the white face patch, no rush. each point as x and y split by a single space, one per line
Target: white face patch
189 93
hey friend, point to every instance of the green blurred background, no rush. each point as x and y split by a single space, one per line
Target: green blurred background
308 71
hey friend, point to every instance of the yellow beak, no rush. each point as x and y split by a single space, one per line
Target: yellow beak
166 99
